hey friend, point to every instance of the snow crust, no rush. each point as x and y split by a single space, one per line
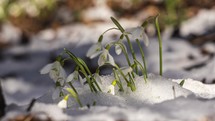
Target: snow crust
152 101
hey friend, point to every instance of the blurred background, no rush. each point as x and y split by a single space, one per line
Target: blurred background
34 32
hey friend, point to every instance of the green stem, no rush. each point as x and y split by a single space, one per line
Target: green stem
89 72
143 70
74 58
160 44
143 57
74 95
132 50
124 77
119 83
132 84
70 84
124 52
109 30
127 38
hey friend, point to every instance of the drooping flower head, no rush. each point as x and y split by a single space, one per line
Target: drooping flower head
94 50
75 76
139 33
105 57
56 72
64 102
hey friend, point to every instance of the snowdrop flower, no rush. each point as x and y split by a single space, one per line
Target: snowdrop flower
75 76
126 70
56 72
111 89
139 33
94 50
58 92
118 49
105 57
63 103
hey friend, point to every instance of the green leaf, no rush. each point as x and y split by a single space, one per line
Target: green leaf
117 24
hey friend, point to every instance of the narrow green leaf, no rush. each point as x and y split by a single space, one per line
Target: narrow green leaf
160 44
117 24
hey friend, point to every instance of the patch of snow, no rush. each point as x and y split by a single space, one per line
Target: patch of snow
151 101
51 110
176 54
14 85
203 73
100 12
156 90
198 25
21 92
209 47
200 89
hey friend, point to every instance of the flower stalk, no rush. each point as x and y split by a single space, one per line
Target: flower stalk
127 38
143 58
160 44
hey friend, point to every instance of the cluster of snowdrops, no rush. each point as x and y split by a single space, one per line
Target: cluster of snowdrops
124 77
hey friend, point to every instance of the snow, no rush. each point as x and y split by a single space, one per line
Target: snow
100 12
200 89
51 110
204 20
13 87
151 101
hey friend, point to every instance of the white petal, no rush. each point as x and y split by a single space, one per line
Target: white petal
111 90
103 57
145 39
46 69
70 77
55 71
58 73
62 81
95 54
126 70
62 72
137 33
94 50
101 60
118 49
111 60
54 74
82 80
62 104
